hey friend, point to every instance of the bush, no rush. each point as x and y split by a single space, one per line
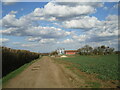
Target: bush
13 59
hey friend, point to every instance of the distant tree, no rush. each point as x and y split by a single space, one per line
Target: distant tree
91 50
110 50
95 51
100 50
86 50
83 51
103 49
80 51
117 52
54 53
106 50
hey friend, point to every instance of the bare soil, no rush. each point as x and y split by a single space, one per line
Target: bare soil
44 73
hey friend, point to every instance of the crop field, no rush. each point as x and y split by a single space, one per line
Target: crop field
105 66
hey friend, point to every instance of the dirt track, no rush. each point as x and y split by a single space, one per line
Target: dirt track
44 73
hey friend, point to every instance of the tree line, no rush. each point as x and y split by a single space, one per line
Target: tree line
100 50
13 59
89 50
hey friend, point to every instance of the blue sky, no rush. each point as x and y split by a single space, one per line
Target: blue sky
22 7
46 26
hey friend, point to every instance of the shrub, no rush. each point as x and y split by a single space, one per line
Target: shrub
13 59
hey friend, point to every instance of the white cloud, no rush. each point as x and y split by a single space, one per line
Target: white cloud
8 31
69 15
9 2
105 8
43 32
103 33
10 20
112 18
80 38
93 4
3 40
95 27
32 39
116 6
52 12
16 43
29 45
13 12
47 32
67 41
47 41
65 11
84 23
110 26
26 26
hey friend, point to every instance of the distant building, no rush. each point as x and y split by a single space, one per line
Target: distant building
62 51
70 52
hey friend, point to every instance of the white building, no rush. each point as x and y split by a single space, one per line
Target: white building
60 51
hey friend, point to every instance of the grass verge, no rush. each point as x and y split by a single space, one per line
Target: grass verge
14 73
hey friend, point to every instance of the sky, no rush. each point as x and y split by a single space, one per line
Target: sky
45 26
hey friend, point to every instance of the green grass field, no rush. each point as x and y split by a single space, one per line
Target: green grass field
106 67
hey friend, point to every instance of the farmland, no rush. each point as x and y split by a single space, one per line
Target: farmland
73 71
105 66
49 72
